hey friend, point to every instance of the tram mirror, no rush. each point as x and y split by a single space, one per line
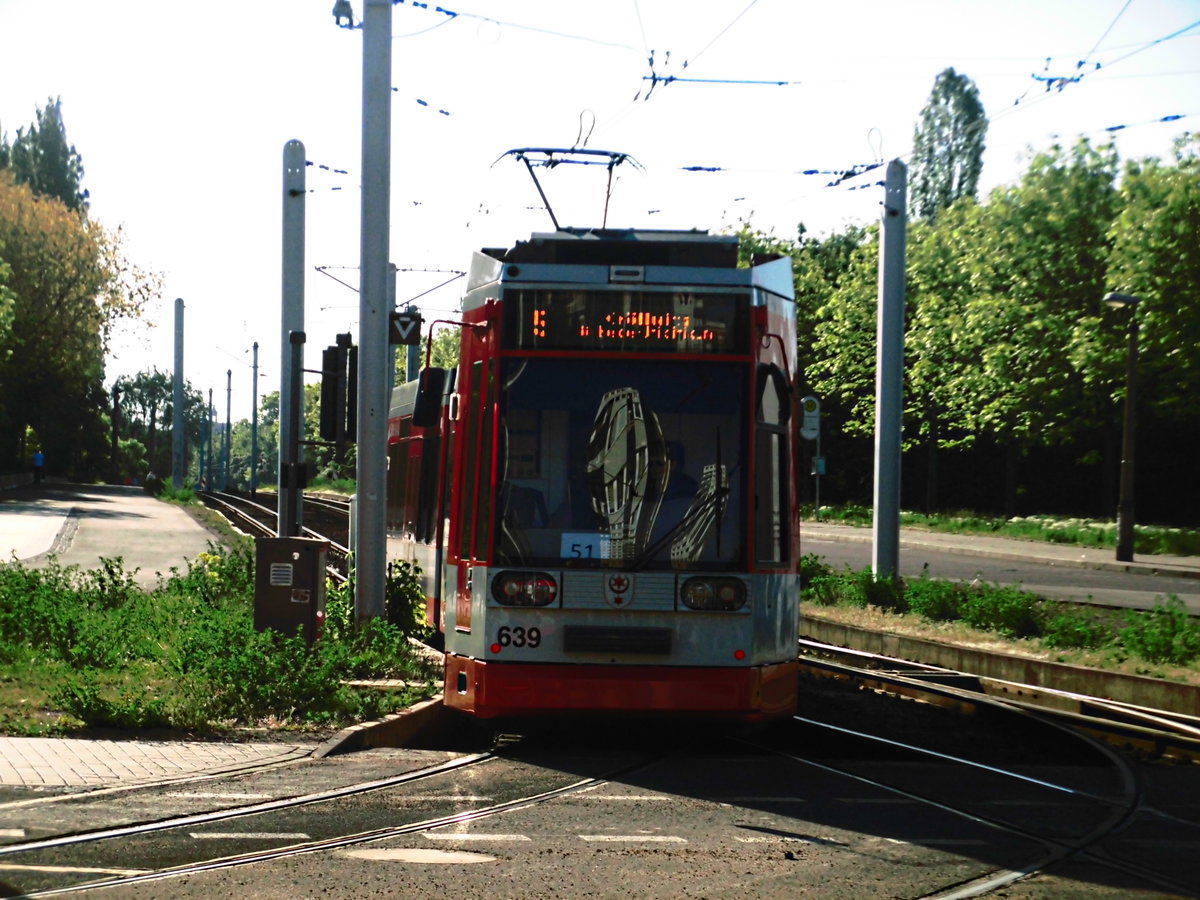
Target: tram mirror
428 407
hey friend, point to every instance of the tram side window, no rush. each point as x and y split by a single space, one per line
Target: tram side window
770 516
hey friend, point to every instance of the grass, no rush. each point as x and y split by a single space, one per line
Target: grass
90 649
1148 539
1165 636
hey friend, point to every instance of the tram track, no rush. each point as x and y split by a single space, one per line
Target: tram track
330 518
1150 732
144 852
1102 842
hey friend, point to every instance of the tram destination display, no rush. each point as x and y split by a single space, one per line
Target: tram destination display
627 321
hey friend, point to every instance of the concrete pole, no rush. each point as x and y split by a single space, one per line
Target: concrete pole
373 380
889 375
209 412
291 422
177 399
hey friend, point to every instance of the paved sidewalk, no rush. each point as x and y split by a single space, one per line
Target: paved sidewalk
73 763
79 524
1010 548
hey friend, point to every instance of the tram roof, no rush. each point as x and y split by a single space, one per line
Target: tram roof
697 250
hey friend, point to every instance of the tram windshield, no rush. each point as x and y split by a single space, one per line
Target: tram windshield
630 464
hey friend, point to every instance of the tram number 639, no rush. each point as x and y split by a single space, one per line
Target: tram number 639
516 636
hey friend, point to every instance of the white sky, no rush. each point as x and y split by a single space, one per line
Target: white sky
181 111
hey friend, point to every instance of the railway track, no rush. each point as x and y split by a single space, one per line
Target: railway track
328 519
1150 732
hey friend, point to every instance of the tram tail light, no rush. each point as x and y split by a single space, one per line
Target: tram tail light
713 594
524 589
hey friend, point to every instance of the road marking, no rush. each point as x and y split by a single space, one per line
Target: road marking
634 838
475 836
418 855
12 832
444 798
249 835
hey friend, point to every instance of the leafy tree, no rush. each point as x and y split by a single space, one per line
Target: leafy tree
947 145
41 158
1156 256
1039 266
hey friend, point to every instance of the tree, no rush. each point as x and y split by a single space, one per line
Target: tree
1038 267
42 159
947 145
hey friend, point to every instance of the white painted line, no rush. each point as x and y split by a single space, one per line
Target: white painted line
419 855
606 798
634 838
249 835
215 795
444 798
12 832
775 840
474 836
82 870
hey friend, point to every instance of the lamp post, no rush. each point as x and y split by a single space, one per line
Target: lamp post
1125 494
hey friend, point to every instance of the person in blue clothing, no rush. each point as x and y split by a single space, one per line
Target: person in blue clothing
39 467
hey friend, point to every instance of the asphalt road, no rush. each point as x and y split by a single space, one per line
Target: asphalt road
979 558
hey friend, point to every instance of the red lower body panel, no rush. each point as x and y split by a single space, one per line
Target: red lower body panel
492 690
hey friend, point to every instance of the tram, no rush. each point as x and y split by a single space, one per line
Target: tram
602 496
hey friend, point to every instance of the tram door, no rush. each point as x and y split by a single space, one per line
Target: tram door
473 499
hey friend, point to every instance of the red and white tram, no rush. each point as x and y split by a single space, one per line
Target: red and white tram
602 496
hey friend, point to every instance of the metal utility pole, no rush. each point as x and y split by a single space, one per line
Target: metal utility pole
177 398
1125 514
373 322
116 428
889 374
254 428
209 413
291 422
227 438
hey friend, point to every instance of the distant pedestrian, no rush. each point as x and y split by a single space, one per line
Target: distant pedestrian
39 467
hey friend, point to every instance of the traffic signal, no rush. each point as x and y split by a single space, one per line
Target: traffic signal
339 390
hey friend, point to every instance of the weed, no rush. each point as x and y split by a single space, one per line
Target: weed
1164 634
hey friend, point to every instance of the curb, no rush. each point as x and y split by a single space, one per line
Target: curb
1152 693
1149 567
423 725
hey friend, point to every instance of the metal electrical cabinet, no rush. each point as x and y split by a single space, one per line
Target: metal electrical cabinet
289 585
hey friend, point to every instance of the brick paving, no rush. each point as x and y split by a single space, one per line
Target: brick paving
72 762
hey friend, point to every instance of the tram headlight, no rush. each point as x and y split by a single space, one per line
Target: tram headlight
713 594
524 588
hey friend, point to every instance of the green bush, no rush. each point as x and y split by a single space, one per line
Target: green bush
938 601
1006 610
1164 634
188 655
1069 627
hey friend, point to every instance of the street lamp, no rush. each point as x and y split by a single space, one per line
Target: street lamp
1125 495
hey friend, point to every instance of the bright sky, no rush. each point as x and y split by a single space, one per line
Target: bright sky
181 111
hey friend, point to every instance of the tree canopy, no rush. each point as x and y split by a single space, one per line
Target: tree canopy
64 283
948 145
